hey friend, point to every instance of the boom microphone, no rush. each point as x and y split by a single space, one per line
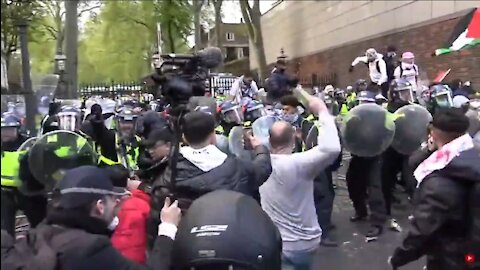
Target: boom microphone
210 57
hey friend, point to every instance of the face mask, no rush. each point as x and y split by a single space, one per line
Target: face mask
290 117
113 225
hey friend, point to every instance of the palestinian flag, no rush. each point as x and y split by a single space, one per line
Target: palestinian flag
465 34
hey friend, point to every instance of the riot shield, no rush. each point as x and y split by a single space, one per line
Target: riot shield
44 88
312 137
410 128
222 143
474 118
368 130
261 128
235 144
25 148
56 152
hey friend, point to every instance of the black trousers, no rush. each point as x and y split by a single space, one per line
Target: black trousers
393 164
323 196
382 88
34 207
364 184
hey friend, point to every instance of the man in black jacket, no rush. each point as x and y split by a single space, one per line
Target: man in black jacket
202 167
75 234
279 83
445 223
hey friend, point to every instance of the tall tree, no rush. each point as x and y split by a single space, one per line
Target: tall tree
12 12
197 26
251 16
217 4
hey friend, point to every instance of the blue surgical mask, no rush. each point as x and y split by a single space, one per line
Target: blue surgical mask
290 117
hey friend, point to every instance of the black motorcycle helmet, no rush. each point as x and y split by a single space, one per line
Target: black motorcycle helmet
225 229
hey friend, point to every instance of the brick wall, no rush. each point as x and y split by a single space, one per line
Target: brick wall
332 65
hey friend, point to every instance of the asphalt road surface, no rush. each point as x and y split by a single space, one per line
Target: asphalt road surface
353 253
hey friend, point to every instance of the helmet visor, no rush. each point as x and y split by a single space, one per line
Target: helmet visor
405 94
69 121
443 99
234 115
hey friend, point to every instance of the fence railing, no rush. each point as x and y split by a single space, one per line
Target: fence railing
113 89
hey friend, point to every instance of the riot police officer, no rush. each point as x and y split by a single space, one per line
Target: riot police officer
34 207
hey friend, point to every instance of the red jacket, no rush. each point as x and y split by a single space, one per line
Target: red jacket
130 236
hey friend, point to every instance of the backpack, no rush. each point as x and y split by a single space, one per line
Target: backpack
35 251
401 70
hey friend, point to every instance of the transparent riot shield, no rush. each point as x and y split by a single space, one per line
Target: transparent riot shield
222 143
368 130
311 138
56 152
261 128
235 144
410 128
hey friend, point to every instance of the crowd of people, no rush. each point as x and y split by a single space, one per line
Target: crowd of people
205 190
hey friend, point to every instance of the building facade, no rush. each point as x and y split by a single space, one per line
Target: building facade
234 41
323 37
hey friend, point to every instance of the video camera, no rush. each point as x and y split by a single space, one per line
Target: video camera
181 76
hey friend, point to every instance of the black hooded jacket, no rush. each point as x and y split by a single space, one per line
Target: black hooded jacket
66 241
446 216
234 174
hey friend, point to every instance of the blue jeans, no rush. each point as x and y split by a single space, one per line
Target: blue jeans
297 260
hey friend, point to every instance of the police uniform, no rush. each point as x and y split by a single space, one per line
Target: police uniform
34 207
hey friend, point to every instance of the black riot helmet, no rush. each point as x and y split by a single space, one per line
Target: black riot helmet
234 234
401 90
360 85
126 118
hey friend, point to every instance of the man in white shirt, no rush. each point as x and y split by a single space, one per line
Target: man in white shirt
243 89
408 70
287 195
377 69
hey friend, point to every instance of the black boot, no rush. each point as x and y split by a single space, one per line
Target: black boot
374 232
357 218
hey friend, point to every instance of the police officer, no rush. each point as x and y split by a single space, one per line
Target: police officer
231 115
121 146
401 94
34 207
439 97
364 177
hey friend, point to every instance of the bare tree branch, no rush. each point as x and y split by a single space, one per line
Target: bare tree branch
88 9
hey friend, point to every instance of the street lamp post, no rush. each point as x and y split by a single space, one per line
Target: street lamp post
30 103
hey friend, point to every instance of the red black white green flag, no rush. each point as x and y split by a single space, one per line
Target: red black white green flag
465 34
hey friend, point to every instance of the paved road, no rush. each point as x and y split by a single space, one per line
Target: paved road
353 253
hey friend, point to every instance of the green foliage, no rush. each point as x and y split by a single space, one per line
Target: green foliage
14 12
118 44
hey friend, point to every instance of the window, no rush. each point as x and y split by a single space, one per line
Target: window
230 36
240 53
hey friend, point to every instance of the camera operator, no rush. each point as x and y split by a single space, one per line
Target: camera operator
202 167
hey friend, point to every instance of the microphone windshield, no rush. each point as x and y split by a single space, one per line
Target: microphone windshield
211 57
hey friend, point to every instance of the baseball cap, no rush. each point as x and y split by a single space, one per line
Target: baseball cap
234 232
85 184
